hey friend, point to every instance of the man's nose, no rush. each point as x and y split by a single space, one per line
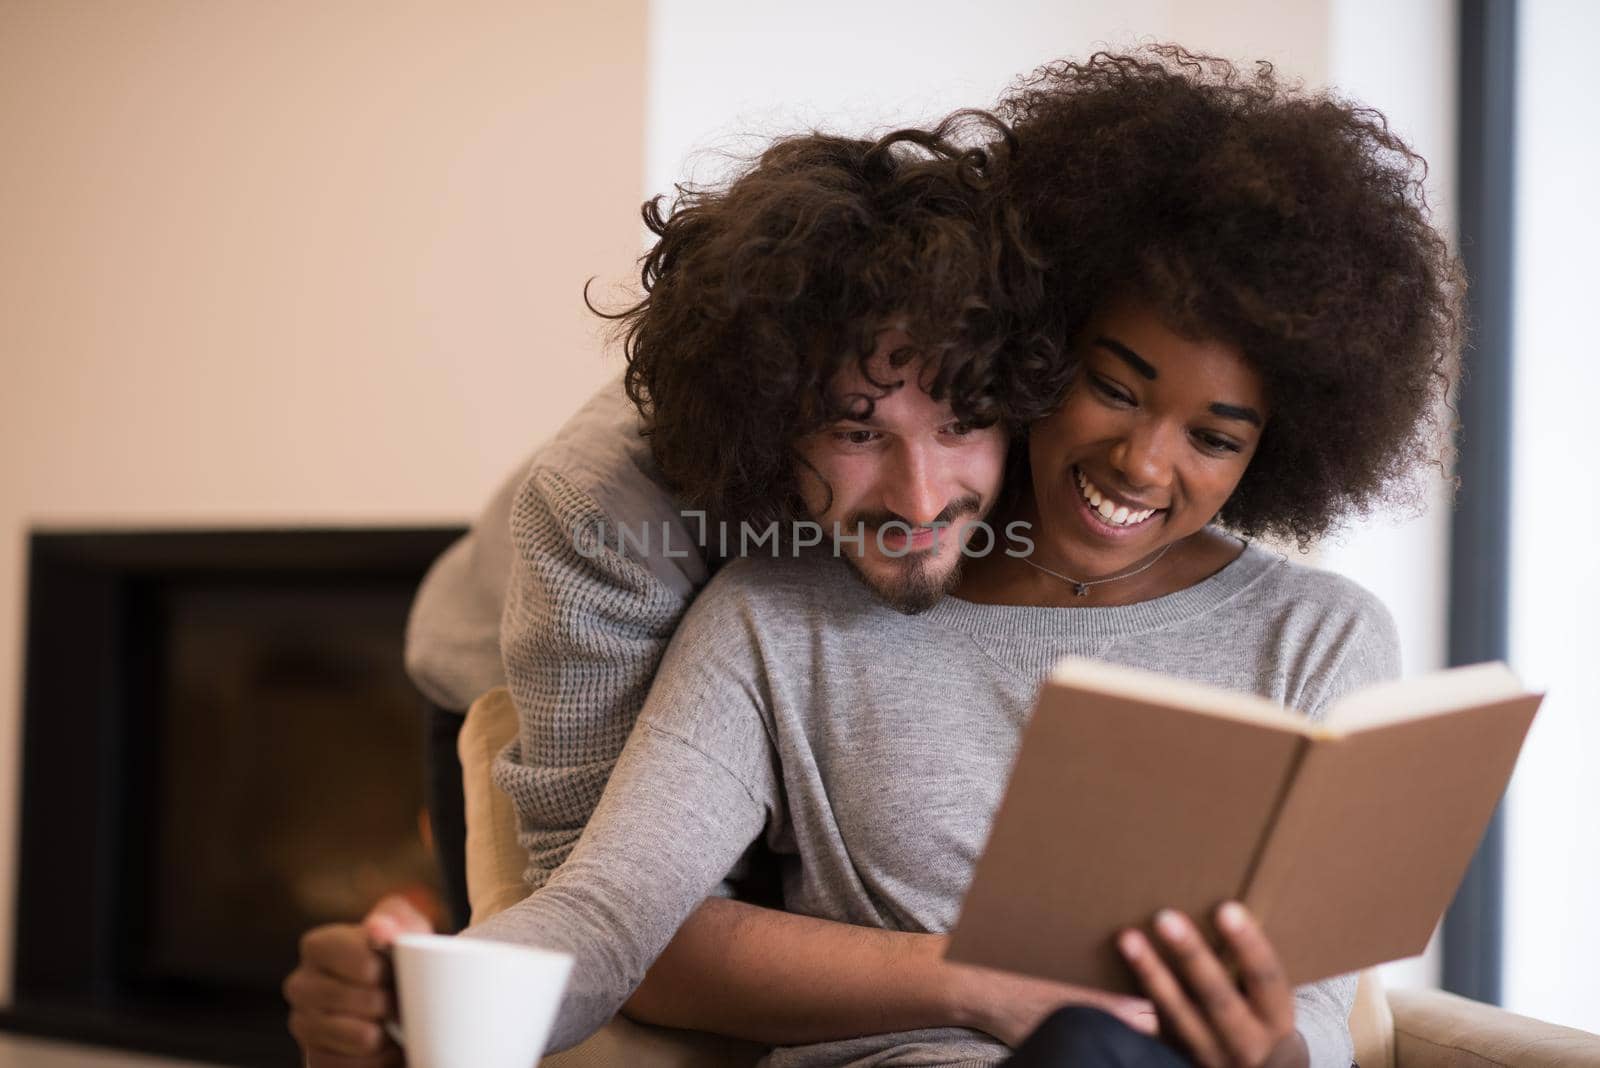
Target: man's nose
915 486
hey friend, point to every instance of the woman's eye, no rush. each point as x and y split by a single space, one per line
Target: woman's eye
1217 444
1109 391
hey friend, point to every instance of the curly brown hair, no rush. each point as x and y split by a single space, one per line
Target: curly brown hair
1291 224
759 292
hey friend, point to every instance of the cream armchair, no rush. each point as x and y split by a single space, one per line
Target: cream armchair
1397 1029
495 862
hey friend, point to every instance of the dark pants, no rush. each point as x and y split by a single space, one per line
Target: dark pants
447 810
1081 1037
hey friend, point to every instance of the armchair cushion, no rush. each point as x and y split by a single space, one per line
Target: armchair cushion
1433 1029
1372 1024
495 863
495 859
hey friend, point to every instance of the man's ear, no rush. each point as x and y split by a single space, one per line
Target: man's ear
815 495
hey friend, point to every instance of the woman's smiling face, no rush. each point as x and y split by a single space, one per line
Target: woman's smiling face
1150 441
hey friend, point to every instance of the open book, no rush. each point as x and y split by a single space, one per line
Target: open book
1133 791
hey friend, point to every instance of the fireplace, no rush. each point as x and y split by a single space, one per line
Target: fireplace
220 749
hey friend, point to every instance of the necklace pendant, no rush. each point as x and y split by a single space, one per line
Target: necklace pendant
1080 589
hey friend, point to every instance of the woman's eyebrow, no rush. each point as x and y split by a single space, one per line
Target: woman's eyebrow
1234 411
1127 356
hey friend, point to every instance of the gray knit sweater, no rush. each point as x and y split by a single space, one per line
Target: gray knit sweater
583 633
869 750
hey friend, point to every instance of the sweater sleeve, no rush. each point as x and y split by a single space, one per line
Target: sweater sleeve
581 637
695 785
453 631
632 880
1322 1016
1365 651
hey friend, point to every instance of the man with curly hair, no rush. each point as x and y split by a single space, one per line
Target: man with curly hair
1254 324
841 303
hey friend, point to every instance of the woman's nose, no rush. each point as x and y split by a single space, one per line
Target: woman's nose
1142 457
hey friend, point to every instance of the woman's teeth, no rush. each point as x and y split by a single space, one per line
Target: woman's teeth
1115 514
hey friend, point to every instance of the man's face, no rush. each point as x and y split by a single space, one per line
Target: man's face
910 461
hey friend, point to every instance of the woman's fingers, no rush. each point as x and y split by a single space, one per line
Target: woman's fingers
1200 997
1183 1018
1233 1019
1140 1016
1265 983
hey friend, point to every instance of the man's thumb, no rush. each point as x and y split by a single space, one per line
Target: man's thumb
393 916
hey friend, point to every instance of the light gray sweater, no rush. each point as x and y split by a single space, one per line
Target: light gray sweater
582 633
870 750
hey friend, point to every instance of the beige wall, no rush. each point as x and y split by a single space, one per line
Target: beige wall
275 263
724 69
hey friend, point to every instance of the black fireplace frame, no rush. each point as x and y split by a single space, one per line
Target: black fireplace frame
78 832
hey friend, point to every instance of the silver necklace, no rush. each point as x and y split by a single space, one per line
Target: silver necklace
1081 588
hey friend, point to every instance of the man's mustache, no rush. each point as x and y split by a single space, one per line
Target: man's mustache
956 509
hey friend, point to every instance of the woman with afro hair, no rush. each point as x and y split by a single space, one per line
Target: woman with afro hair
1260 327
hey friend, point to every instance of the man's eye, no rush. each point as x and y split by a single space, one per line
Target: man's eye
855 437
960 429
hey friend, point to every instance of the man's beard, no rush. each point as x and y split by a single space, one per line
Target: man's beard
915 586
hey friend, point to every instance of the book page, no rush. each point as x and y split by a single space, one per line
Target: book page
1116 680
1376 832
1348 847
1119 805
1430 695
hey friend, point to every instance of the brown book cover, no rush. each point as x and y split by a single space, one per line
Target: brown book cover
1133 792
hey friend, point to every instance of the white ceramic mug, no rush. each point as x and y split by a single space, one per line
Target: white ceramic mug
472 1003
